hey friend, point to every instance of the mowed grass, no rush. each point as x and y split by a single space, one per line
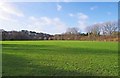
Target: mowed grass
60 58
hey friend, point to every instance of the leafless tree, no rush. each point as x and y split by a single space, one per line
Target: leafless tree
94 29
73 30
109 28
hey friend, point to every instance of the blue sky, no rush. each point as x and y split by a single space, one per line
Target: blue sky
55 17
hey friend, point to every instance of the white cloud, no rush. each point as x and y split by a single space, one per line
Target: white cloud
32 18
71 15
82 16
81 20
46 24
8 11
59 7
11 18
41 24
93 8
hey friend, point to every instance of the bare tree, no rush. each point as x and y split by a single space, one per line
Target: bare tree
72 33
119 25
109 28
73 30
94 29
88 29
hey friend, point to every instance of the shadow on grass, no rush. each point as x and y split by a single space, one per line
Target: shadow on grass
18 66
55 49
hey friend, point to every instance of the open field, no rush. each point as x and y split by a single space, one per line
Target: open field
60 58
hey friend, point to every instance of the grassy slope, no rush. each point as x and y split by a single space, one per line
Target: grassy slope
38 58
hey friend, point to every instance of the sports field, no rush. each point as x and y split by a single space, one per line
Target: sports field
59 58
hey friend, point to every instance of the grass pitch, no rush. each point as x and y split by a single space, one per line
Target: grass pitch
59 58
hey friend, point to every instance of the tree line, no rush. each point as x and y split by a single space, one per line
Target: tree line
24 35
100 31
106 28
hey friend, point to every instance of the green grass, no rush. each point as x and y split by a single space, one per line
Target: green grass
60 58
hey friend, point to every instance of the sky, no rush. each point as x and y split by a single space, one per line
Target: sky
55 17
